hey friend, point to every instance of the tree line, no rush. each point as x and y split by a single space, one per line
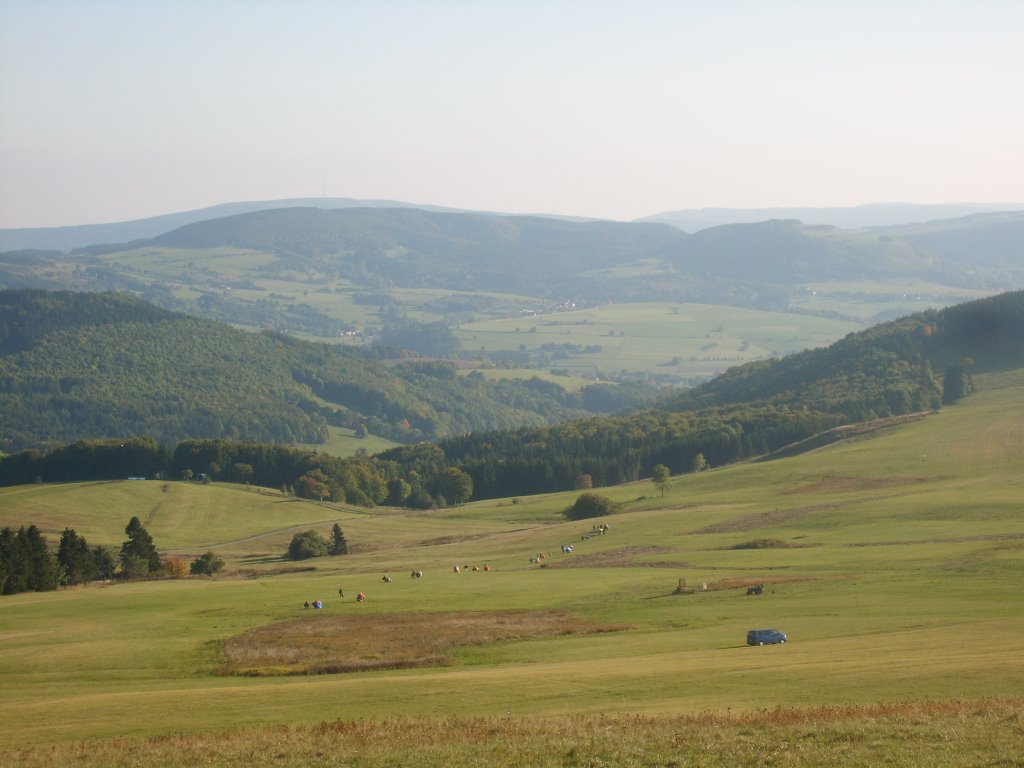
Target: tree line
28 564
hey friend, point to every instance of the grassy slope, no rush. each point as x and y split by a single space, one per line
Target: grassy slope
908 590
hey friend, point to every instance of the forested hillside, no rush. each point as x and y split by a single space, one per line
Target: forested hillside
911 365
992 241
407 247
907 366
75 366
786 251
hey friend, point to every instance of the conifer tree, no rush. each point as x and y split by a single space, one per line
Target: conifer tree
75 558
138 553
339 546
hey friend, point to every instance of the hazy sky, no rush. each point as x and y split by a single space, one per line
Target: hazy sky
119 110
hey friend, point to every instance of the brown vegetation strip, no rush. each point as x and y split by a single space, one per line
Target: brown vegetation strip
742 582
939 734
323 644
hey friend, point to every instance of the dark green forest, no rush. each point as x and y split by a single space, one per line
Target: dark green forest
78 366
892 369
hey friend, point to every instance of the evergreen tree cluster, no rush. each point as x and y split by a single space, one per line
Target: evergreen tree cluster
27 564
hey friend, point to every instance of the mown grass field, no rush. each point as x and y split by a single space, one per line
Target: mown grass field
893 561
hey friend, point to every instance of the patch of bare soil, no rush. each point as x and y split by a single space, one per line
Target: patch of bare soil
856 483
742 582
617 558
323 644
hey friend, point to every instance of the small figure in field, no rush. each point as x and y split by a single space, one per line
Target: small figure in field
360 597
306 604
341 593
457 569
387 579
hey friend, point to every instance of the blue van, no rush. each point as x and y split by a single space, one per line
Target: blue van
765 637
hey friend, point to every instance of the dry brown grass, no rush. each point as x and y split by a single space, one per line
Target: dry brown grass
320 644
942 734
742 582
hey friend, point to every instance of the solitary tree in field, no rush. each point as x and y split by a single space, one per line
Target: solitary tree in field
206 565
338 544
590 505
662 478
306 545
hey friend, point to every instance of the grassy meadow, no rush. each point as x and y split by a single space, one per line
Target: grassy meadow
893 561
679 340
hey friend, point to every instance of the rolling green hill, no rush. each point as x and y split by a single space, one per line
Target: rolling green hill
786 252
983 241
407 247
892 561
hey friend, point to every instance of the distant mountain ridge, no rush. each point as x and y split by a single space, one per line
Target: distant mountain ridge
79 236
846 217
378 252
549 257
411 247
992 240
68 238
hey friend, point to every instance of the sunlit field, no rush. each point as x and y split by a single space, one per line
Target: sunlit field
893 561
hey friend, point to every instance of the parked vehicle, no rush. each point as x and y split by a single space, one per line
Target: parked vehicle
765 637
